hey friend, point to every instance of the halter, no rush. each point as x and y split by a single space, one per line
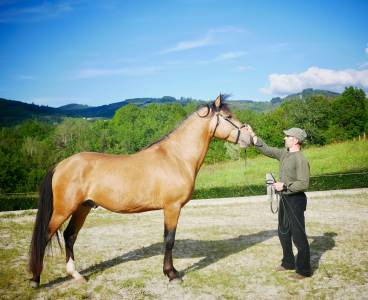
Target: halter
227 119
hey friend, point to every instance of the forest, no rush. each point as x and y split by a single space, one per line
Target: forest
29 149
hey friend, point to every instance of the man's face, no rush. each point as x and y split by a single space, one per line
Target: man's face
290 141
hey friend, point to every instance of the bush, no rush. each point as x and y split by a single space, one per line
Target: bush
18 202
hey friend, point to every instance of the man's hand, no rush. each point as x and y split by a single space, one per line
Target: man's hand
279 186
250 129
252 134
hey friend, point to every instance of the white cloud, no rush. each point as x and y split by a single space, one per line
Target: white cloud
278 47
186 45
207 40
366 49
244 68
99 72
314 77
230 55
26 77
228 29
34 13
364 65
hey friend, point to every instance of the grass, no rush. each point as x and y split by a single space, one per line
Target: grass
331 167
224 250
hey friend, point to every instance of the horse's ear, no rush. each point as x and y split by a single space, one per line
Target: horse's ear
218 101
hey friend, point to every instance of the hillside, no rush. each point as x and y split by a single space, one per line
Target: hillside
108 111
13 112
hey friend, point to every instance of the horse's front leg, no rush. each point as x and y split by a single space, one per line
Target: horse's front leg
171 220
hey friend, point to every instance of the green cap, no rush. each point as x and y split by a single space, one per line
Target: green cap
300 134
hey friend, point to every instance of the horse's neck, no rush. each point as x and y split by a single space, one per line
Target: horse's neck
190 141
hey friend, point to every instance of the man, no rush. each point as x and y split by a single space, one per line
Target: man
294 180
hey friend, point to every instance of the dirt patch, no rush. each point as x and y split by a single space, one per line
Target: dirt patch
225 248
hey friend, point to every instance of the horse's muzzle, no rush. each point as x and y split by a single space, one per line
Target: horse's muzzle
245 139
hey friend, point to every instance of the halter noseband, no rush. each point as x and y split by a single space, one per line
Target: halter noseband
227 119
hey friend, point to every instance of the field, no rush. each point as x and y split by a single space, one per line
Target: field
334 166
225 249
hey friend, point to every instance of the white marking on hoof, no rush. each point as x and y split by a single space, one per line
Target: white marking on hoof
70 269
176 280
34 284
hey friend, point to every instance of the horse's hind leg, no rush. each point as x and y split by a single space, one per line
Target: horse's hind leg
70 235
55 222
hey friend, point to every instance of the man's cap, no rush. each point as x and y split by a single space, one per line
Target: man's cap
299 133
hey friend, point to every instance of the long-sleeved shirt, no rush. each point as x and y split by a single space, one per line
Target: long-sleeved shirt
294 167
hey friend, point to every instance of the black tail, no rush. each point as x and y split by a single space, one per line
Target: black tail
40 231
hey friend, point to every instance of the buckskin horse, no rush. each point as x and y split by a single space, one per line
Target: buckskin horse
161 176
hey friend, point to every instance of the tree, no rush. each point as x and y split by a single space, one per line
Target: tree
349 114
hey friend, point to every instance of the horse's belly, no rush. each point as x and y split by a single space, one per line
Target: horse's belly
125 203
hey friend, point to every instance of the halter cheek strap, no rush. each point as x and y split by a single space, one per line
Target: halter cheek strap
228 120
217 124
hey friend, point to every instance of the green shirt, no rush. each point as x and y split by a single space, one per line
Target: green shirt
294 167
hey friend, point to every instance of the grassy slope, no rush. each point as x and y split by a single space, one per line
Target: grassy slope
247 177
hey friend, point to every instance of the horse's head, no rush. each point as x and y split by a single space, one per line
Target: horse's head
225 126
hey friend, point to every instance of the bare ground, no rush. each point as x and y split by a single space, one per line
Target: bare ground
225 248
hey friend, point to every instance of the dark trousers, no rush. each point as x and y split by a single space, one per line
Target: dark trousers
292 227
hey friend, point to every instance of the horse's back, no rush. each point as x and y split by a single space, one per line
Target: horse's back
143 181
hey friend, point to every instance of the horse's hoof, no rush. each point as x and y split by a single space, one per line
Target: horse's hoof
174 276
34 284
176 280
80 279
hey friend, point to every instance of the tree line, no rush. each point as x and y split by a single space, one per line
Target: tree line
29 149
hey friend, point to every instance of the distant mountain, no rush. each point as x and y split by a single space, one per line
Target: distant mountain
261 106
108 111
73 106
13 112
311 92
258 106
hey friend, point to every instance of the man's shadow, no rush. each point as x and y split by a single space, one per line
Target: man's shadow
319 246
210 251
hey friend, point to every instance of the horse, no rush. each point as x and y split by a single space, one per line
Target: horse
160 176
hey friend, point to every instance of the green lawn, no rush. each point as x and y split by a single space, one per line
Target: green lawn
331 169
247 177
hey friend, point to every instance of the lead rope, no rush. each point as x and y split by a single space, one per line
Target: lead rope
275 199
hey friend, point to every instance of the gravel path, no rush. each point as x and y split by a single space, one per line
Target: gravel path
225 248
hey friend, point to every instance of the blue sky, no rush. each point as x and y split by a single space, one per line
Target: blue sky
99 52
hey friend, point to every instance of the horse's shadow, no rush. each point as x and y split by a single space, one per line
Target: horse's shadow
319 246
211 251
